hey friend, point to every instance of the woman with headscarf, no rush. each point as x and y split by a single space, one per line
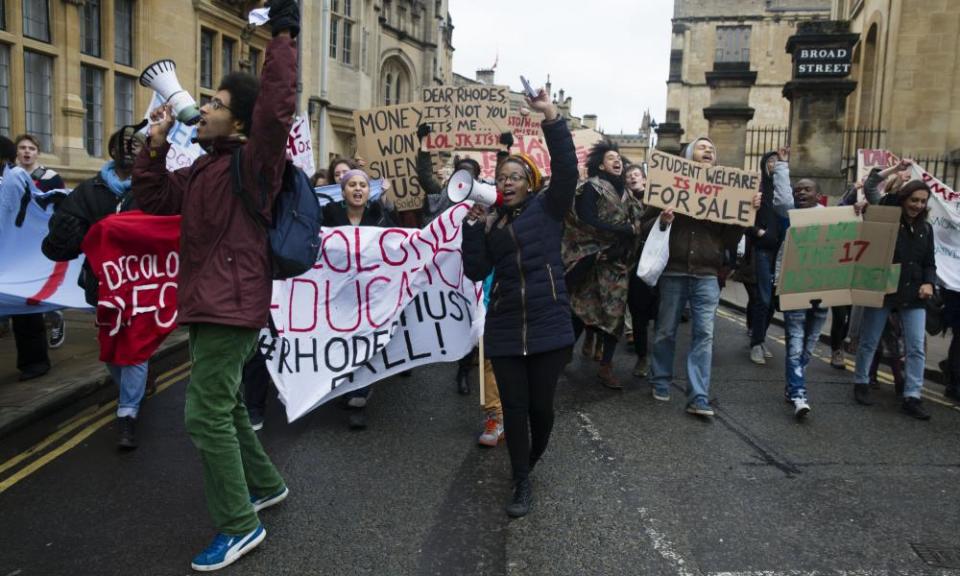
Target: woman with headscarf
527 334
356 209
599 241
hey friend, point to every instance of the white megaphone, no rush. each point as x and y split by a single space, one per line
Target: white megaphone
161 77
462 187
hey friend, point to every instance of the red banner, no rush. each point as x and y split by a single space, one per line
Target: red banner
136 257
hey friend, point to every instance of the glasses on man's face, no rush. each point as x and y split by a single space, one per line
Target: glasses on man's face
216 104
502 179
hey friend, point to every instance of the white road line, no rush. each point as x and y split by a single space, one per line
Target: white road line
663 545
860 572
587 424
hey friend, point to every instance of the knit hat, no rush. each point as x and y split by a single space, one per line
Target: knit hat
534 177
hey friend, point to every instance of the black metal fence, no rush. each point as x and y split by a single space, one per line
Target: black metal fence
761 140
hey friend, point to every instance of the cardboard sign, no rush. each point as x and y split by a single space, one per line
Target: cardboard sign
834 256
716 193
869 158
465 117
300 145
387 139
534 147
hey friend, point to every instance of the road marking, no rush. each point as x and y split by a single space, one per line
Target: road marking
100 418
591 428
855 572
663 545
882 375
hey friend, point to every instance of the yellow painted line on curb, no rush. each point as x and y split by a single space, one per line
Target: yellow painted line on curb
105 414
882 376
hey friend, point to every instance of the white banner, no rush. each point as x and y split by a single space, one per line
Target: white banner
300 146
944 207
183 150
378 302
29 282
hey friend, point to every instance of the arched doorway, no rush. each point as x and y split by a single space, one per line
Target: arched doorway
868 77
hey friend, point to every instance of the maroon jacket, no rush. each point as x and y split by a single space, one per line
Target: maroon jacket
225 275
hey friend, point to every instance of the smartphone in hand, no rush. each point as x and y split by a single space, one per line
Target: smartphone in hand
531 93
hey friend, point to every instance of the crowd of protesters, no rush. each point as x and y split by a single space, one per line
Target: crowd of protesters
557 259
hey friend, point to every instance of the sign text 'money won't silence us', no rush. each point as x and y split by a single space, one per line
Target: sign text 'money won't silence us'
716 193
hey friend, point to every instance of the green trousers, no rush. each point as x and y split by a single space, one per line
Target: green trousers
235 466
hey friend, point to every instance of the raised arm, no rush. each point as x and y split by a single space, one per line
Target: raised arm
782 191
156 190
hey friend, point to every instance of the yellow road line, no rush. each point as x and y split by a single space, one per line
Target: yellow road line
882 376
168 378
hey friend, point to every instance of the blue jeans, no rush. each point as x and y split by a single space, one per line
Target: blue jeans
763 261
803 331
132 381
871 328
704 297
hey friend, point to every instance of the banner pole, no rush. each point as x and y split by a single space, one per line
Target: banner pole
483 372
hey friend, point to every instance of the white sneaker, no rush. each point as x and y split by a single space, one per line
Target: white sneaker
800 407
766 351
58 329
756 355
492 430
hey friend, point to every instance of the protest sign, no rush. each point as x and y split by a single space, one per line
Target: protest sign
944 217
29 282
465 117
868 159
136 258
536 149
833 256
379 301
300 146
183 150
716 193
387 140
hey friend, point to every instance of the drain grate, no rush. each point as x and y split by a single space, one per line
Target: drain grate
938 556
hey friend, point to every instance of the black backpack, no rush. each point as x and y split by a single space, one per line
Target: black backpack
294 233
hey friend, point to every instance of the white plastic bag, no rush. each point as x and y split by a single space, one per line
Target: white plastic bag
656 252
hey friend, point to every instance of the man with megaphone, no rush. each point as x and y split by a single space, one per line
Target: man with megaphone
225 275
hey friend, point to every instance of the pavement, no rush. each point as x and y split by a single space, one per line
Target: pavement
628 485
75 373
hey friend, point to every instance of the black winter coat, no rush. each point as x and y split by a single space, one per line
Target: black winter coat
529 310
918 266
89 203
335 214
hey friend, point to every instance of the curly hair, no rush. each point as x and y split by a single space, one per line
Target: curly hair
596 154
243 89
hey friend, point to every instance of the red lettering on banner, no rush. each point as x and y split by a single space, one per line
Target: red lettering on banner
330 316
383 251
443 278
356 249
366 303
52 284
346 250
313 309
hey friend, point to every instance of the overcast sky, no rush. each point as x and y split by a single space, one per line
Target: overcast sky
611 56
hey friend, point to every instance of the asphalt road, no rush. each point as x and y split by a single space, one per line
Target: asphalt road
628 486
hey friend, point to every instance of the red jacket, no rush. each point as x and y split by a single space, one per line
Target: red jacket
225 275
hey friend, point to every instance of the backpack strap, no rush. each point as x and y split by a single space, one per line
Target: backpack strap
235 164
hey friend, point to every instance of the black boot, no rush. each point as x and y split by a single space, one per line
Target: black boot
519 505
861 393
128 433
914 407
463 381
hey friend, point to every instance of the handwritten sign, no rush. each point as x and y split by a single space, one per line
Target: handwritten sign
868 159
300 145
716 193
387 139
534 147
833 256
465 117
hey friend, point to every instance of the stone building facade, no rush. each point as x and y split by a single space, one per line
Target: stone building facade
69 68
907 68
713 39
635 147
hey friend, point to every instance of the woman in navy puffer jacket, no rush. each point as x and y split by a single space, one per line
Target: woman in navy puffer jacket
528 332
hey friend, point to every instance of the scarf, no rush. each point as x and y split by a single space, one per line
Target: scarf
114 183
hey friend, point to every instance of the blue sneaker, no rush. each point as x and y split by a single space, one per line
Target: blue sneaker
268 501
700 407
225 550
